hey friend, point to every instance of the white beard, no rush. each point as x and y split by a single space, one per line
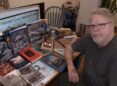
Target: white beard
98 40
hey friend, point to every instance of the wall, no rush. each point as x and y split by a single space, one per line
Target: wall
85 7
17 3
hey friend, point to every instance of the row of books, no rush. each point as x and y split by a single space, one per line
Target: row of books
43 66
21 51
17 39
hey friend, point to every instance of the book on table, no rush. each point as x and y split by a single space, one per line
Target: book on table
18 62
30 54
14 78
55 61
48 72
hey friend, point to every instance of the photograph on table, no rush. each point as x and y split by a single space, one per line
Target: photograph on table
47 45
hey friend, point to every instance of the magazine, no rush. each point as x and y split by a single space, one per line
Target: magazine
46 70
19 39
33 76
14 79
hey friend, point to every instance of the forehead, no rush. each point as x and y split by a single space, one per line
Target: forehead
98 18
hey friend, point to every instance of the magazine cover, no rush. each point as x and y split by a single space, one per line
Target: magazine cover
5 68
55 61
30 54
32 75
19 39
14 79
5 51
46 70
18 62
36 32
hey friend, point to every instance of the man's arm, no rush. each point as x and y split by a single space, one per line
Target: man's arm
72 72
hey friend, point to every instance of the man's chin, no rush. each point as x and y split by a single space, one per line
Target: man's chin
98 42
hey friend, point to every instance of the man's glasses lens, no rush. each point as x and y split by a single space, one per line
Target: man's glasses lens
101 25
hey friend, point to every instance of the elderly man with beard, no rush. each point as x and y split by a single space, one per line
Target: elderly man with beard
100 50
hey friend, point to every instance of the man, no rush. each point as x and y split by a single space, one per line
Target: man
100 50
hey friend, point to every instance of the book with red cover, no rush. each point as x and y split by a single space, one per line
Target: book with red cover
30 54
5 68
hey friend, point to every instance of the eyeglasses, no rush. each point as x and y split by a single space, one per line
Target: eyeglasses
101 25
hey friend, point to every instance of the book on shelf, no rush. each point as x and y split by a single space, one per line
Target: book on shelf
5 68
18 62
46 70
5 51
30 54
14 78
55 61
19 39
36 32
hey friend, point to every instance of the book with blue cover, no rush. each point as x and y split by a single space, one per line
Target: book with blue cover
55 61
19 39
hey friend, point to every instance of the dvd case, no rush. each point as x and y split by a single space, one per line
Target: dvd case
55 61
19 39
